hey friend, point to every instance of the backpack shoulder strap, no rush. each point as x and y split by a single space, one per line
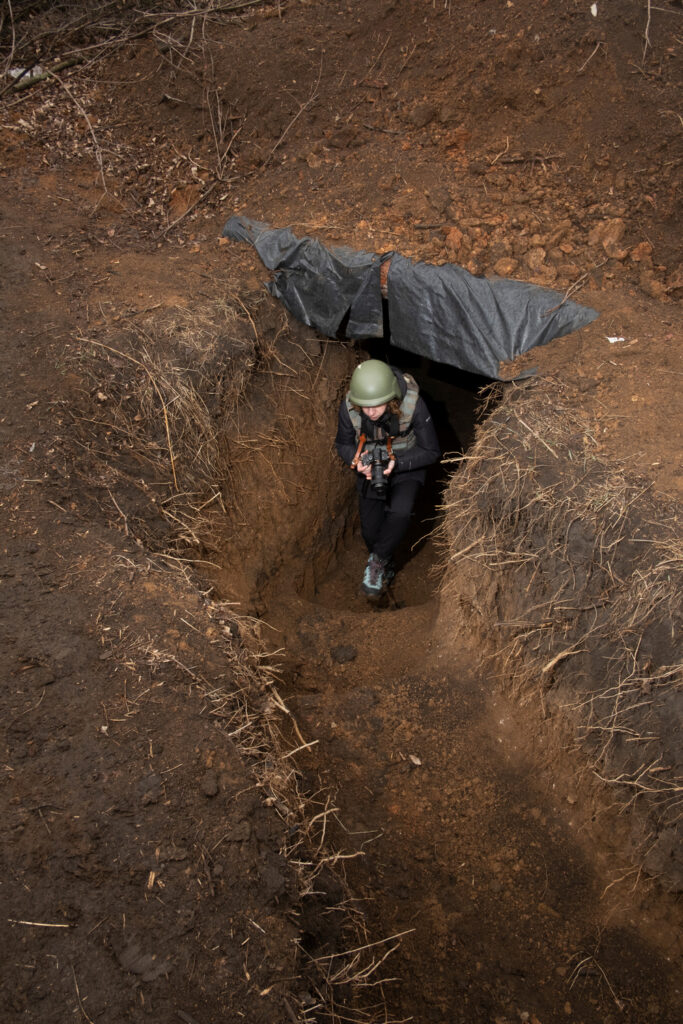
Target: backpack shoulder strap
354 416
408 404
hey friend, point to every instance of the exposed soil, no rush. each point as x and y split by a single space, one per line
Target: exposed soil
152 868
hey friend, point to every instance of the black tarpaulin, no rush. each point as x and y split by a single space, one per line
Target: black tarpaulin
444 313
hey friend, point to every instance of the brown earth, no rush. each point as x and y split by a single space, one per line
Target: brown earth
151 869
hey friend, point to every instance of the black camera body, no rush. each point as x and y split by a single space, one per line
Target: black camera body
377 457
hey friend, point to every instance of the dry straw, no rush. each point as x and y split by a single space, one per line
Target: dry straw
170 390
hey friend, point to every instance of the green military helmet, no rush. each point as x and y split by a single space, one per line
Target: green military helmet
373 383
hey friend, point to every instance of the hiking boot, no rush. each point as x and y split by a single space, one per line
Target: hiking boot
373 577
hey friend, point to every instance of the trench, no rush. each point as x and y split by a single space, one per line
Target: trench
469 841
463 825
464 833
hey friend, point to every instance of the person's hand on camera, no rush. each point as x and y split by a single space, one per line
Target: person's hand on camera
365 470
390 467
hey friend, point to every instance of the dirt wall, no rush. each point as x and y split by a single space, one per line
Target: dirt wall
215 425
568 571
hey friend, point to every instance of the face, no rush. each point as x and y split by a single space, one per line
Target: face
374 412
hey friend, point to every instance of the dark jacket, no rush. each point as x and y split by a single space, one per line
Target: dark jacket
410 464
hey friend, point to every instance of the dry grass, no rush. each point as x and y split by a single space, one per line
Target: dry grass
198 411
169 393
583 573
348 983
93 30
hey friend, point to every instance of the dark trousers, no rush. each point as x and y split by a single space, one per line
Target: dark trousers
384 522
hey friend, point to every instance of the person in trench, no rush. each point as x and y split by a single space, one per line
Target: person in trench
386 435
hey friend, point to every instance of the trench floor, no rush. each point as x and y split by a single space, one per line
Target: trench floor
475 836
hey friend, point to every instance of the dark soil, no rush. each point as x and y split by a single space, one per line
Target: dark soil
144 875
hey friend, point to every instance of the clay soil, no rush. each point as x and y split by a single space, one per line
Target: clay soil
144 874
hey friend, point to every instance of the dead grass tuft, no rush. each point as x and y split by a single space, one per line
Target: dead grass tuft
169 392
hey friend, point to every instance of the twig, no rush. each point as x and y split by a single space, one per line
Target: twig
375 61
304 746
360 949
387 131
304 106
205 195
249 316
579 283
78 994
502 152
198 12
38 924
109 44
124 517
463 551
219 117
10 56
586 62
522 159
616 881
409 54
577 971
538 437
19 84
647 28
559 657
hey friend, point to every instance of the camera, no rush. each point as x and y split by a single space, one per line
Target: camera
377 458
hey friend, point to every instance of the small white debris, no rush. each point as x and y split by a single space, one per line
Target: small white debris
614 340
594 10
414 759
34 72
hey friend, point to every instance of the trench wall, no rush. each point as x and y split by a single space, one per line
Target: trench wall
286 496
217 425
567 572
